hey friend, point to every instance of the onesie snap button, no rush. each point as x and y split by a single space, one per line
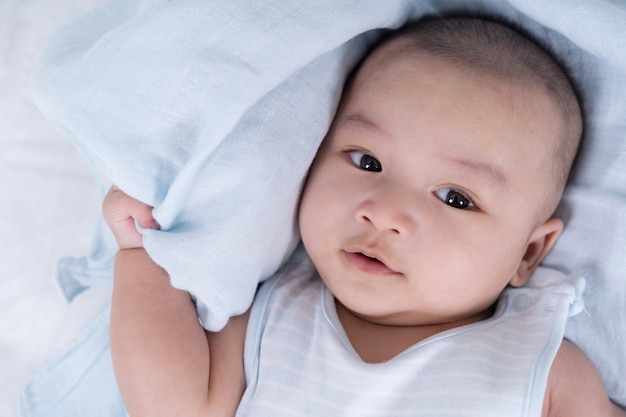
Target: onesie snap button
521 302
553 301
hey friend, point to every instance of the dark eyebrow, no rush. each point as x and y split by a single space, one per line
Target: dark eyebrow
482 169
361 121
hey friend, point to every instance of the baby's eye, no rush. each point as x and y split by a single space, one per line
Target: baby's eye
365 161
454 198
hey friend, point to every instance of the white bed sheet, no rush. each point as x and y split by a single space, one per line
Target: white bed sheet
49 203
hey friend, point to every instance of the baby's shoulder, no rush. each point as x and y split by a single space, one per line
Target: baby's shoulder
575 387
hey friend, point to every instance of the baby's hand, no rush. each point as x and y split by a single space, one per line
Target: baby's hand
120 212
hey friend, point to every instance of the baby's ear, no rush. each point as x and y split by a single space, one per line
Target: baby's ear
539 244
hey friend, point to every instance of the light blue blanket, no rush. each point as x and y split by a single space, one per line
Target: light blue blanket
212 111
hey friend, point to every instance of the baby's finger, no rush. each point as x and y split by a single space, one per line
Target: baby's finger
121 212
120 205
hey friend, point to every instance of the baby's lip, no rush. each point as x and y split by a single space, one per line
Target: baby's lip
368 261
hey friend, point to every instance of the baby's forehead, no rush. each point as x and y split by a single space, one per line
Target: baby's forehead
398 58
395 60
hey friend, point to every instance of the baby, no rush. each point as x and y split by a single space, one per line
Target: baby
426 211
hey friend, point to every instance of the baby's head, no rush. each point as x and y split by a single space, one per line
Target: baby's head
436 183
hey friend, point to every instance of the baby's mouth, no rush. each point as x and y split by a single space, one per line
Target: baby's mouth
367 263
371 258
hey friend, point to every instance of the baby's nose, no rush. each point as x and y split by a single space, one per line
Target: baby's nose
389 210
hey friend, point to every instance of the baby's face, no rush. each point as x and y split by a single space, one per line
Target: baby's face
427 190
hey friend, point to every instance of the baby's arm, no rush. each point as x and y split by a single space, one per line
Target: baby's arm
160 352
575 387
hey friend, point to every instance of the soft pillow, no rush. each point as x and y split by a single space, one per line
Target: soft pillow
213 111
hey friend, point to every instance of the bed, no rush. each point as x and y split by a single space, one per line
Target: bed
49 206
184 133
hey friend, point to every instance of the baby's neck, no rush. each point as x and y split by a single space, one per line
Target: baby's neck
376 343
